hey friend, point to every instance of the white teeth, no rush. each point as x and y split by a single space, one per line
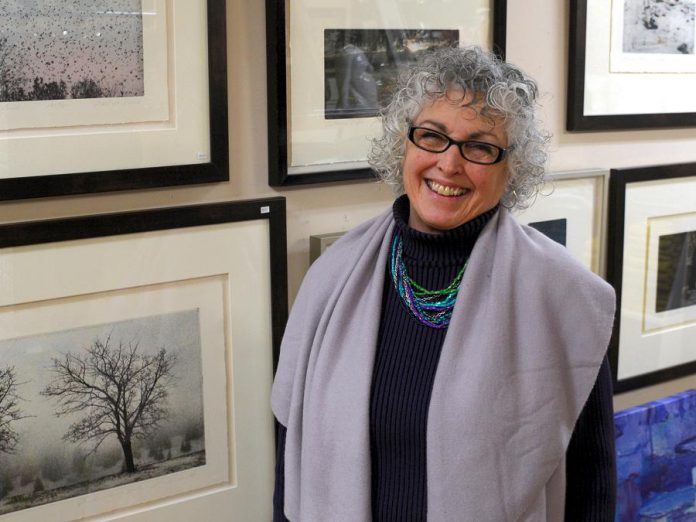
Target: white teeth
443 190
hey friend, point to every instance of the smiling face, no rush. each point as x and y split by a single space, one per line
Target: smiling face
444 189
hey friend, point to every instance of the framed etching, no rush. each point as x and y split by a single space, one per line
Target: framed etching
570 210
111 95
332 64
652 265
136 357
635 68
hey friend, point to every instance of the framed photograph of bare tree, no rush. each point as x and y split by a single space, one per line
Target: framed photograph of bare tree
652 265
331 68
102 95
136 358
631 64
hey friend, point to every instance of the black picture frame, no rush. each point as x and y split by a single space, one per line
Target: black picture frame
576 120
238 333
214 170
619 181
101 225
278 132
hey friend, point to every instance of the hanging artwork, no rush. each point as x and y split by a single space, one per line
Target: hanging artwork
136 356
101 406
111 95
331 68
362 65
631 64
652 265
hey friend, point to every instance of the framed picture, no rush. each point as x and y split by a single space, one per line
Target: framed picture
136 357
652 265
332 65
635 68
570 210
126 94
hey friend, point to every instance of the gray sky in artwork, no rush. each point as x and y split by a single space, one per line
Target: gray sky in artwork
32 358
73 40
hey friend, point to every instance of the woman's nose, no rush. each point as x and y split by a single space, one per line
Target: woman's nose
451 161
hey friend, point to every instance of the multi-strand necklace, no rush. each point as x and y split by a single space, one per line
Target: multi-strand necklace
432 308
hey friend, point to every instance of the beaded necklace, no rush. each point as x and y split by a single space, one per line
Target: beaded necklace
432 308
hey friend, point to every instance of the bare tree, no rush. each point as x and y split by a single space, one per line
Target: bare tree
9 409
118 391
10 79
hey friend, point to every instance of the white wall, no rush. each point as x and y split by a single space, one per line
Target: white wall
537 41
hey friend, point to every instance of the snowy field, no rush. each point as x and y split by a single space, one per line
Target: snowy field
152 470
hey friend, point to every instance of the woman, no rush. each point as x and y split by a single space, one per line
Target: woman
442 362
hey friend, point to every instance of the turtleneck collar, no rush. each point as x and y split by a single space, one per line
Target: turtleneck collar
450 247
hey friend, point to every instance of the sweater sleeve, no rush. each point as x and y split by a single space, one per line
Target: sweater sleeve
591 457
279 492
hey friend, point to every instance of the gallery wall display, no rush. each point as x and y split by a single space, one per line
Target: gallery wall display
331 67
99 96
655 456
651 262
631 65
570 210
136 357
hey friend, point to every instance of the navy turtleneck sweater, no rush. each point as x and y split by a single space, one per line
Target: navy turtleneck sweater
403 375
405 365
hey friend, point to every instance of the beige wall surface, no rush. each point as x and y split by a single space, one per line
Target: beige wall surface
537 38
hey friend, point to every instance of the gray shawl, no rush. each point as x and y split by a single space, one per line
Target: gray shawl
528 333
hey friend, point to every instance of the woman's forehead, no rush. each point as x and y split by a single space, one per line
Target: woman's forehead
453 112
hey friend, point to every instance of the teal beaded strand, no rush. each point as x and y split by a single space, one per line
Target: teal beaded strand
432 308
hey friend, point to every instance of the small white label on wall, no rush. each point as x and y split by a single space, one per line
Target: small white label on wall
265 210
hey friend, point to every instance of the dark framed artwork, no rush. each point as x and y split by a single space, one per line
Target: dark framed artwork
651 262
331 66
128 94
635 68
175 315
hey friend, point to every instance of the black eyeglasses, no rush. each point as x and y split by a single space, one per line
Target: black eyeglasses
471 150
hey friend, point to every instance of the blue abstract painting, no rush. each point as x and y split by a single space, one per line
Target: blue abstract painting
656 460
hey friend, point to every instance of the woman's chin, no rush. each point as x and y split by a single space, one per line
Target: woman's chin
436 223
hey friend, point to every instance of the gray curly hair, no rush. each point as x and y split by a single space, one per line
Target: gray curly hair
494 88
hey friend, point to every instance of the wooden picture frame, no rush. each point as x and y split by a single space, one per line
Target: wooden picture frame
174 134
308 142
207 284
